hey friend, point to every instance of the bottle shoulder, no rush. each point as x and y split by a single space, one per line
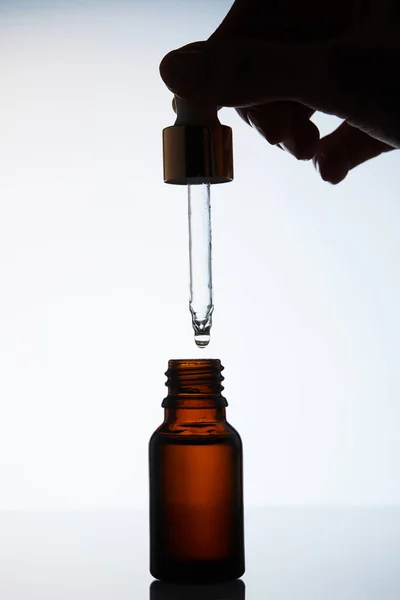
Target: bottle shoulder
234 432
220 430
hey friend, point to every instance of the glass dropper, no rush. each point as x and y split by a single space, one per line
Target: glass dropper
197 152
200 268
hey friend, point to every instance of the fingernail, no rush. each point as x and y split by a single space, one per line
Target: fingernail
255 124
184 70
316 163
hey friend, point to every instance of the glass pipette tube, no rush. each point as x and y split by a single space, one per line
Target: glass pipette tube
200 282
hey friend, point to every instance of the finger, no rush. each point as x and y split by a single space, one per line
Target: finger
286 124
303 136
303 139
272 121
232 74
345 149
182 69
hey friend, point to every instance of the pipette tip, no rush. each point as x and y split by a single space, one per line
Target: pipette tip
202 340
202 328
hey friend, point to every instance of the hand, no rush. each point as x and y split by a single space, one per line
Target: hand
277 66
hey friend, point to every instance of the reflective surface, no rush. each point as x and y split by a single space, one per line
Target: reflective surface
315 554
234 590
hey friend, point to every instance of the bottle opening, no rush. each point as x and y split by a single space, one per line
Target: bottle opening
194 379
191 364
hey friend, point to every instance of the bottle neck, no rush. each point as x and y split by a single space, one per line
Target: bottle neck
194 391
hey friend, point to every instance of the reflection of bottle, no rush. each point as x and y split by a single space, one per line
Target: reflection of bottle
196 499
232 590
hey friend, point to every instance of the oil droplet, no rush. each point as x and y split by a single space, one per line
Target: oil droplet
202 339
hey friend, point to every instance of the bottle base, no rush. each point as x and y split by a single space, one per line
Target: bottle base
232 590
198 572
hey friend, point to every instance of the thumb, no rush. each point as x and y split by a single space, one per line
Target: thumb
230 73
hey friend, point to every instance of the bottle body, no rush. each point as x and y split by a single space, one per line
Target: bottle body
196 493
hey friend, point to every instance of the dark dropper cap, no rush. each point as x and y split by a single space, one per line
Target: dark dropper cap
197 148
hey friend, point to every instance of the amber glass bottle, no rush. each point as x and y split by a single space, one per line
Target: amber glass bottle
196 495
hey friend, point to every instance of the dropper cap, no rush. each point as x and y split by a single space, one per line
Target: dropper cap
197 148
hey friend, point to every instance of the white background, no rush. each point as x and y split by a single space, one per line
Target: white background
93 278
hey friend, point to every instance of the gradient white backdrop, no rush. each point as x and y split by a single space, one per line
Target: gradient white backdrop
93 277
